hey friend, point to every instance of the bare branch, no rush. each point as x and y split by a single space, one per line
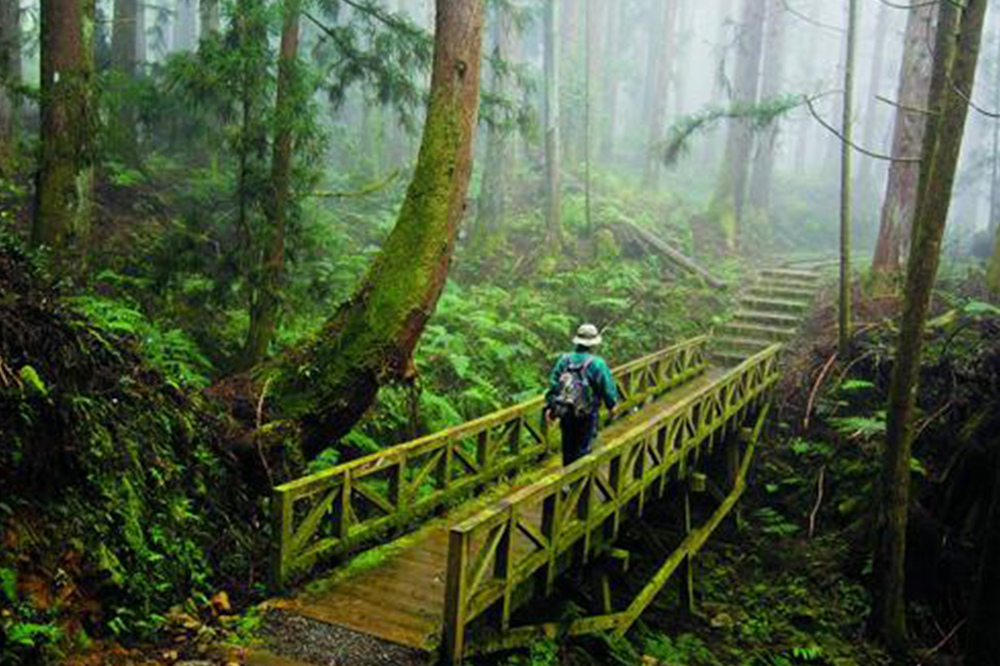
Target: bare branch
863 151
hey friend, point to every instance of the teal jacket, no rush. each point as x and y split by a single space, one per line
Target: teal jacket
598 375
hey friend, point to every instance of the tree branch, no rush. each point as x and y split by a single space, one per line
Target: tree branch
864 151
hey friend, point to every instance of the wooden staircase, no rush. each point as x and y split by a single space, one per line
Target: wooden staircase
769 311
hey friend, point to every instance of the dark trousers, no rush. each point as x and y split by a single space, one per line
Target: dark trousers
578 435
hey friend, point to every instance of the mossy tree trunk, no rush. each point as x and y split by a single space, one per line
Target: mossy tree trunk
908 136
10 78
267 278
329 383
993 270
124 43
726 208
493 193
553 150
65 177
954 75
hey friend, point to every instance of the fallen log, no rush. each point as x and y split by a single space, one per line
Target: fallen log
661 247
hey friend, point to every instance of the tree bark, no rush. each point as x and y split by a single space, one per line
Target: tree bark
65 177
847 151
726 209
493 194
553 150
663 46
140 33
908 136
774 73
124 43
210 24
956 57
10 79
266 300
329 383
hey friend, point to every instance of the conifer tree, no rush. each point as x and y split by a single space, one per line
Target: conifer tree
65 178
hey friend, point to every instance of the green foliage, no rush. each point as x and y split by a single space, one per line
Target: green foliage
774 523
171 352
25 633
860 427
540 653
760 115
686 649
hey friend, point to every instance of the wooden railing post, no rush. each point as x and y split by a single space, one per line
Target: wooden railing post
502 569
456 601
282 528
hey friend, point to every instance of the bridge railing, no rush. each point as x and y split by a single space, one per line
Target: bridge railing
523 537
337 510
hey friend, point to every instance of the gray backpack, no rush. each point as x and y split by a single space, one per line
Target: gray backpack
575 396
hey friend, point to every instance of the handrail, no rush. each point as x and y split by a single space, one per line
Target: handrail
523 537
351 503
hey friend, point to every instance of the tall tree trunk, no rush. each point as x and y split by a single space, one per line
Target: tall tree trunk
123 61
569 30
330 383
210 24
952 83
185 26
493 193
864 180
65 176
141 51
847 129
553 182
767 146
590 41
609 85
726 209
10 78
663 46
265 305
682 56
993 264
908 136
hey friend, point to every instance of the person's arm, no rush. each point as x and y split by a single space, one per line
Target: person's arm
609 390
557 371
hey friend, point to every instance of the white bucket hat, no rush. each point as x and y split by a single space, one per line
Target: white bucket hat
587 336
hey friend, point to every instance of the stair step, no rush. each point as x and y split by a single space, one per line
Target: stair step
767 318
773 304
786 293
786 283
752 345
808 276
741 329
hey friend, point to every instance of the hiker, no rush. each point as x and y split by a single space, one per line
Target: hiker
580 382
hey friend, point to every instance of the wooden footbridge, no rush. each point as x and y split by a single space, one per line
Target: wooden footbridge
464 527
